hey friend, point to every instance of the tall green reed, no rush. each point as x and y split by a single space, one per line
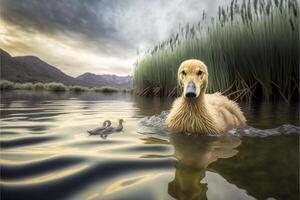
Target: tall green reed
251 49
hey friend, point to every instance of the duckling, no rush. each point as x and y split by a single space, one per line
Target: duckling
195 111
111 129
96 131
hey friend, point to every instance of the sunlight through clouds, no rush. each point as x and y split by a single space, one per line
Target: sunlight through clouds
93 36
61 51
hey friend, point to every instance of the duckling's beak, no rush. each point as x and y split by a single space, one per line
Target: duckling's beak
190 91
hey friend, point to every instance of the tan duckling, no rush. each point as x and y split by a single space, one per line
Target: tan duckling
96 131
112 129
197 112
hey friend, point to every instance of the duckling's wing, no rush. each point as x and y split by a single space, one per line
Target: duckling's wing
108 130
99 129
96 130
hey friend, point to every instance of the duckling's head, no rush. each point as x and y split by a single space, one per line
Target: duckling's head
193 78
121 121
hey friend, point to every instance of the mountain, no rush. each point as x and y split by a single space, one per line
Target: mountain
106 79
32 69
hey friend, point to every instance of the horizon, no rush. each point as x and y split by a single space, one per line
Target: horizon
130 75
96 37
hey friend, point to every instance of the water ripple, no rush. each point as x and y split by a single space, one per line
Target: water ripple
37 168
46 152
25 141
101 172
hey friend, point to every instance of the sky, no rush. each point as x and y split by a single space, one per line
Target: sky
97 36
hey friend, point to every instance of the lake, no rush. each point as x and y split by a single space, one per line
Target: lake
46 152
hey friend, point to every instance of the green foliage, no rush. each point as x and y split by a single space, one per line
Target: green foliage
56 87
250 51
39 86
106 89
24 86
77 88
6 85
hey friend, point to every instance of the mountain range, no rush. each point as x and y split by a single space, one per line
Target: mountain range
33 69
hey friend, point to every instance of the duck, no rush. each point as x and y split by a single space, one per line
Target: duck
96 131
111 129
196 112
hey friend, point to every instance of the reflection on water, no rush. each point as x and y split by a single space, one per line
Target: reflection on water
47 154
193 156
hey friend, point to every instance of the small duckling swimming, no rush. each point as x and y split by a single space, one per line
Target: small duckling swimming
96 131
110 129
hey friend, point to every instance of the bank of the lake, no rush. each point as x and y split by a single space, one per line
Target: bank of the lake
57 87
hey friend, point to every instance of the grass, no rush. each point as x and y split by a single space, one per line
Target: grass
78 88
251 50
39 86
24 86
57 87
6 85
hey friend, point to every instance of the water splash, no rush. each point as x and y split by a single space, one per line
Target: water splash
155 120
156 125
249 131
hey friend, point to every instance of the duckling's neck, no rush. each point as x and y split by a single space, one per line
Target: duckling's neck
195 104
106 123
120 127
197 116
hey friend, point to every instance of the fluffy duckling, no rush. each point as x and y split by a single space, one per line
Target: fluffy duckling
199 113
96 131
111 129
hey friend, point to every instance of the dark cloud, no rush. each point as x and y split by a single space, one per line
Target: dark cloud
58 16
107 27
89 19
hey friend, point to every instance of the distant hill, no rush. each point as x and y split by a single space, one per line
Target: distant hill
106 79
32 69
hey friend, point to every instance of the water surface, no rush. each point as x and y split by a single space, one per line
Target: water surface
47 154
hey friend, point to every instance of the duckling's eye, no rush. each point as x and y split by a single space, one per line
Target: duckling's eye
183 73
199 73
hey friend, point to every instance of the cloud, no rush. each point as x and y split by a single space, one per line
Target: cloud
85 18
96 36
62 51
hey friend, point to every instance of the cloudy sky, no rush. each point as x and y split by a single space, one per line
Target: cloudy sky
95 36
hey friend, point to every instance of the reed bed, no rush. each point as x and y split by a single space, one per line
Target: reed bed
57 87
78 88
6 85
251 49
106 89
